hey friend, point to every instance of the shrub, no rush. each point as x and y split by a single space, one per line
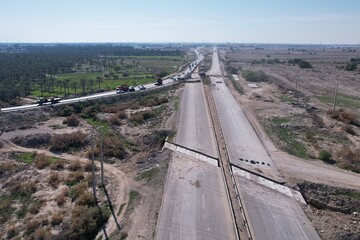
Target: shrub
34 207
88 166
58 164
148 114
42 234
54 179
113 146
72 121
351 66
60 199
252 76
137 118
56 218
63 142
90 111
74 166
122 115
85 223
347 128
74 178
304 64
325 155
85 198
78 190
41 161
114 120
31 225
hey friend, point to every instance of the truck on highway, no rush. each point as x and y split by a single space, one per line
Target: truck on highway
159 82
122 88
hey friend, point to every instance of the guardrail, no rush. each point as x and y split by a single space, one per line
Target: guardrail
233 193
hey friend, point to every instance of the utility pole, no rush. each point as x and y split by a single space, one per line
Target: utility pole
335 95
101 157
93 167
2 127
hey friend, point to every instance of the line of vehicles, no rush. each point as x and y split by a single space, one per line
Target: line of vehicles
48 101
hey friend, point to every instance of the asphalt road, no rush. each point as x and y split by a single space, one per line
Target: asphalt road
270 214
194 128
195 204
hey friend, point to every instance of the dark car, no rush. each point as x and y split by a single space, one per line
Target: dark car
131 89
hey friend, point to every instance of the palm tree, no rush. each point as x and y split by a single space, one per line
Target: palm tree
98 79
74 86
91 81
67 85
83 84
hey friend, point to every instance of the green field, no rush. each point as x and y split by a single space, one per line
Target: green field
343 101
131 70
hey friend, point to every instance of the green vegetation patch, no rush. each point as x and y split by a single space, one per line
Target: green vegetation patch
148 174
287 138
252 76
25 157
120 209
349 193
342 100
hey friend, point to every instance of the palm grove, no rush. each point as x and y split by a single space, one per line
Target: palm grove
28 68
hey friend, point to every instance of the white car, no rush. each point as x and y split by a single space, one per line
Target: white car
141 87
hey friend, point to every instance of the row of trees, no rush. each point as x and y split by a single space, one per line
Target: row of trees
30 68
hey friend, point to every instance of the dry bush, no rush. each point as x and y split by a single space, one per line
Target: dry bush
58 164
63 142
114 120
74 177
54 179
78 190
90 111
350 159
85 223
42 234
137 118
41 161
85 198
154 101
148 114
34 207
115 108
113 146
75 166
344 116
57 218
88 166
31 225
21 188
122 115
72 121
60 199
349 129
1 144
134 105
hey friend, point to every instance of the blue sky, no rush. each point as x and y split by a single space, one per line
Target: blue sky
239 21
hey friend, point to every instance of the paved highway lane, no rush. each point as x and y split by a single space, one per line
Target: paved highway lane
270 214
273 215
195 205
194 127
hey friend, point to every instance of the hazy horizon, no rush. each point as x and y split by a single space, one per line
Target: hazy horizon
328 22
